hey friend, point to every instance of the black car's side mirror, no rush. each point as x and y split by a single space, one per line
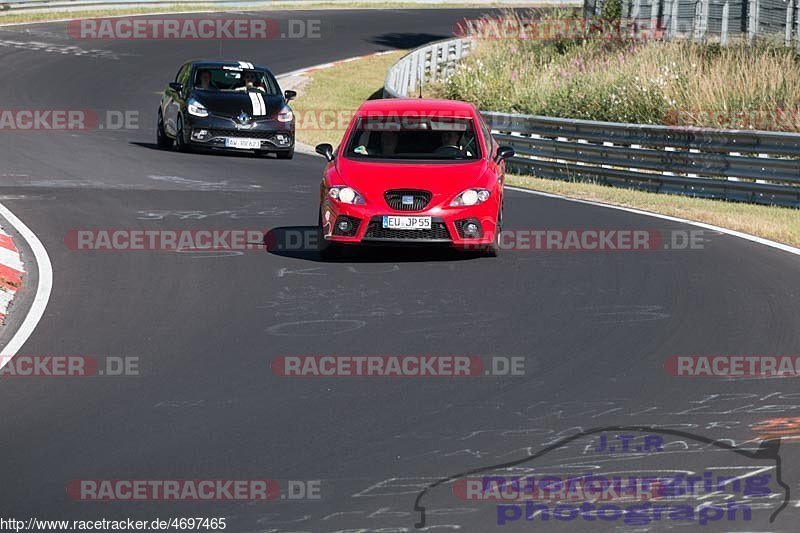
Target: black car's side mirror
289 95
504 152
326 150
175 86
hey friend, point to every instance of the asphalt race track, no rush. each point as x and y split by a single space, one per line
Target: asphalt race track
594 328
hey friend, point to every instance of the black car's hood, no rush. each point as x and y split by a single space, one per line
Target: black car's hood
232 104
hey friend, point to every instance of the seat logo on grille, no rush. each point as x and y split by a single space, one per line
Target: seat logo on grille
408 200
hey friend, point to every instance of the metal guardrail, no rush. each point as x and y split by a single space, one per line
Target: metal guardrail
43 6
32 6
751 166
426 64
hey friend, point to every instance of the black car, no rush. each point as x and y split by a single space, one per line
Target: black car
229 105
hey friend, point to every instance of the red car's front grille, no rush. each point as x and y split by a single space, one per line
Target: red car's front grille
419 199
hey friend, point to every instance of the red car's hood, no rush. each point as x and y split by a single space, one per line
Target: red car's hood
370 177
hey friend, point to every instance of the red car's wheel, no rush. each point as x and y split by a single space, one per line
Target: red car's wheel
327 249
493 250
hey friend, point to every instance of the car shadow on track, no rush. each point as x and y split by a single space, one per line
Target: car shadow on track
300 242
406 41
200 151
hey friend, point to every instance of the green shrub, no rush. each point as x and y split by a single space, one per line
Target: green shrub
646 82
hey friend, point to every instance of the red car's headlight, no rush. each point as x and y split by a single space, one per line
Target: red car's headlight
471 197
346 195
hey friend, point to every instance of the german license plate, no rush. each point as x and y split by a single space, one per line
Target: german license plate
391 222
245 144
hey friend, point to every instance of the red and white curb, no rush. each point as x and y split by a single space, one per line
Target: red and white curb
11 272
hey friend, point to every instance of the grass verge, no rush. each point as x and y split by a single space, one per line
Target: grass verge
327 103
775 223
616 78
345 86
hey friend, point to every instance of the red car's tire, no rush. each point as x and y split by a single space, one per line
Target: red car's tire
493 250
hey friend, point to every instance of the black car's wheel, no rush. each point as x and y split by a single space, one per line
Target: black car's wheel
161 136
285 155
180 139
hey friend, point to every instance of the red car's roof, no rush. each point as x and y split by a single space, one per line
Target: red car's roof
423 106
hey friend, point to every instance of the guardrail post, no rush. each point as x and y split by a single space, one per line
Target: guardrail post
753 7
406 78
434 68
673 23
797 24
413 69
655 7
633 26
731 178
701 19
726 11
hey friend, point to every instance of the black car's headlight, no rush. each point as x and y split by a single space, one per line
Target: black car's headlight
196 108
286 114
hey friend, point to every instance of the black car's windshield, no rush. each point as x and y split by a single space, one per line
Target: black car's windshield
234 79
413 137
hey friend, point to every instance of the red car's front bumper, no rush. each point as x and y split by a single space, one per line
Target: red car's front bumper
447 224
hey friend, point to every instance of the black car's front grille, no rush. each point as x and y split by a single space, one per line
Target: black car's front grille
418 199
250 134
376 231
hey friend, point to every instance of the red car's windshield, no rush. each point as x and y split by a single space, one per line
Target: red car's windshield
413 137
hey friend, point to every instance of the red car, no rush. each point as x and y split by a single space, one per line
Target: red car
413 171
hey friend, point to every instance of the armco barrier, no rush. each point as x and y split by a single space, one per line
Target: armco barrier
426 64
743 165
44 6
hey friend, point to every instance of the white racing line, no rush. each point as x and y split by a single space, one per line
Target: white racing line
734 233
43 288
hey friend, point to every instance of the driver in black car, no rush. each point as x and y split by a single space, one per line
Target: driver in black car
250 82
204 80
